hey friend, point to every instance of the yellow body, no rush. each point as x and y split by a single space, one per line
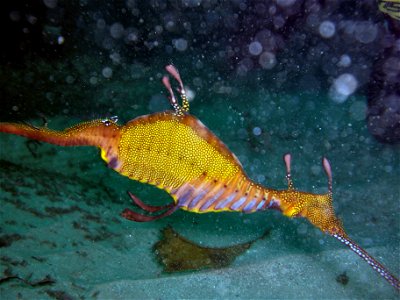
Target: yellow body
164 150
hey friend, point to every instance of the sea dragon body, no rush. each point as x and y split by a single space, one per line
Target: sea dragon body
176 152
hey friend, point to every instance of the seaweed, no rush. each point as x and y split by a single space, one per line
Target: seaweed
54 211
47 280
6 240
177 253
59 295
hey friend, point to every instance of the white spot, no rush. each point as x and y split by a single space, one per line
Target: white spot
191 3
100 24
257 131
285 3
31 19
70 79
388 169
107 72
158 29
365 32
345 61
267 60
60 40
255 48
15 16
358 110
327 29
170 25
242 133
267 40
115 57
343 87
260 178
130 3
278 21
302 229
132 35
180 44
117 30
190 94
50 3
93 80
346 84
315 170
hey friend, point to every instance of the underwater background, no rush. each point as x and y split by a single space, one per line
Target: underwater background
313 78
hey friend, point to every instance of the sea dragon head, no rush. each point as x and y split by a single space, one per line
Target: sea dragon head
318 209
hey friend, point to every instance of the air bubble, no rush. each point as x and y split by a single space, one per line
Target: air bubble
285 3
267 60
327 29
260 178
180 44
132 35
101 24
107 72
345 61
343 87
278 21
358 110
365 32
31 19
93 80
257 131
15 16
191 3
50 3
117 30
70 79
115 57
190 94
255 48
316 170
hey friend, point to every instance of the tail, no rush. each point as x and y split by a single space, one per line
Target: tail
98 133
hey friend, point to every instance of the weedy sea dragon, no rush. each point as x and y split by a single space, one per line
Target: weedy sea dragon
174 151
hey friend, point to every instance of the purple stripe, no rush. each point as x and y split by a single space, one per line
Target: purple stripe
238 203
225 202
250 205
185 197
113 163
211 200
196 199
271 203
260 205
